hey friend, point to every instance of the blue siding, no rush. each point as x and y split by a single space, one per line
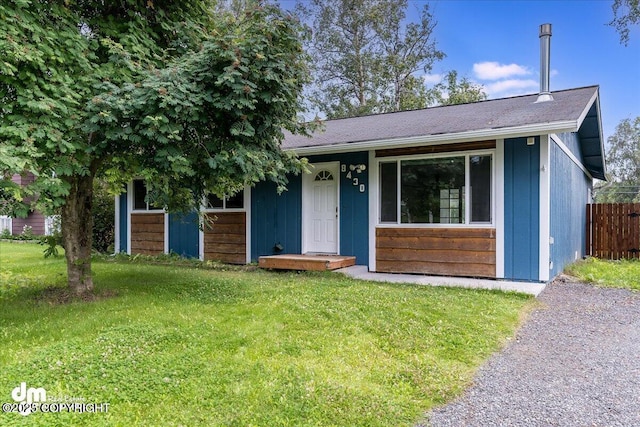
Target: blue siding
354 206
122 219
184 234
569 195
276 218
522 209
572 141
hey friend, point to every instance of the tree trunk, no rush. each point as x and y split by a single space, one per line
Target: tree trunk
77 227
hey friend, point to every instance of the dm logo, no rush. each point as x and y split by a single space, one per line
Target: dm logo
28 395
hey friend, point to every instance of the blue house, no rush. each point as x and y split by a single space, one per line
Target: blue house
493 189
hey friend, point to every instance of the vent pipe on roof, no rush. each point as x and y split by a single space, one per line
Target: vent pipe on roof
545 63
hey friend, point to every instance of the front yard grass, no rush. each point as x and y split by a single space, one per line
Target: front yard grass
614 274
171 346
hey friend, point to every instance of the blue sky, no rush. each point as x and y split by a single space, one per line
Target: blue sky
495 43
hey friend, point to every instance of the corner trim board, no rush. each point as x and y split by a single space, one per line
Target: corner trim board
373 207
545 208
499 208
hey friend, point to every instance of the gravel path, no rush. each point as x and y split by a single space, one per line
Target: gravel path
575 362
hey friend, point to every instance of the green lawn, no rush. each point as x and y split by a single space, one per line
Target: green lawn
194 347
614 274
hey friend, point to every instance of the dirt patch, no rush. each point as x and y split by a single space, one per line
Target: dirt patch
60 296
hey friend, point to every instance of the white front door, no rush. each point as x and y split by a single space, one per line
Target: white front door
320 209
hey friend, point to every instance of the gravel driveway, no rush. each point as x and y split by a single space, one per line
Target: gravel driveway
575 362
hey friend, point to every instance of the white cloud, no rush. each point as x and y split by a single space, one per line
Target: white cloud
495 71
433 79
511 87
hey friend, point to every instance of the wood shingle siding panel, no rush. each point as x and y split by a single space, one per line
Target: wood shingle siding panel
225 237
445 251
221 238
147 233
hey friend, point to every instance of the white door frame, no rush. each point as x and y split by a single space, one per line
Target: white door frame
307 199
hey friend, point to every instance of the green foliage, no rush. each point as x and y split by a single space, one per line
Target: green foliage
365 55
614 274
625 14
27 233
252 348
51 243
211 120
6 234
158 89
623 165
45 74
456 92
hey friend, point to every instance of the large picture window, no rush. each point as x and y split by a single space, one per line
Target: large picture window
434 190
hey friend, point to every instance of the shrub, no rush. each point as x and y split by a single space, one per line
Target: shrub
27 233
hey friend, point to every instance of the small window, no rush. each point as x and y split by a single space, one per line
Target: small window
214 202
389 192
480 182
233 202
324 176
140 196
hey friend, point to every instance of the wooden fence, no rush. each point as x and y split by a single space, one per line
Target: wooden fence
613 230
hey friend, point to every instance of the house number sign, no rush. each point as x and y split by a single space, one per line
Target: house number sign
352 170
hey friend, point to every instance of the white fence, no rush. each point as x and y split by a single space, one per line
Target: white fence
5 223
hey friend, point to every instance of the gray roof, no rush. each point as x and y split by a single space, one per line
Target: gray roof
502 117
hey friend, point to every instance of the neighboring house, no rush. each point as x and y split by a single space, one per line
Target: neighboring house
493 189
40 224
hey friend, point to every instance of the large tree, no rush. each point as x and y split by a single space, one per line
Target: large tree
365 55
623 165
191 100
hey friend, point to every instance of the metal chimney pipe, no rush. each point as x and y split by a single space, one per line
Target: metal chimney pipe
545 63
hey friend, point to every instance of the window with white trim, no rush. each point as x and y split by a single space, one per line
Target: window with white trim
232 202
140 197
433 190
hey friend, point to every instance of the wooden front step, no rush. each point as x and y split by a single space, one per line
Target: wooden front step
306 262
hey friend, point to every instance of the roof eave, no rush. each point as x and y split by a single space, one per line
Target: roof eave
475 135
595 100
604 157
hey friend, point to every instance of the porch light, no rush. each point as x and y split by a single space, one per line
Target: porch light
358 168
